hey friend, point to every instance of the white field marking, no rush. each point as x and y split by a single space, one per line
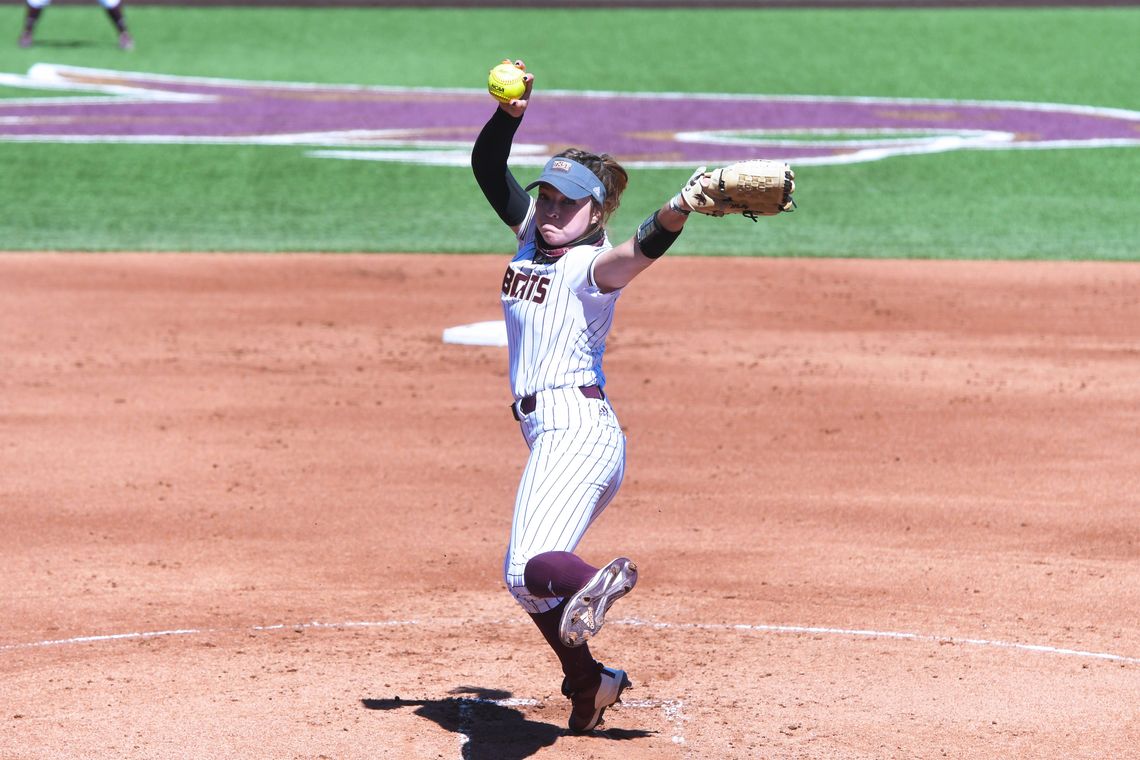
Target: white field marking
454 158
45 76
199 631
631 622
465 723
508 702
467 720
527 159
41 73
675 714
106 637
883 634
348 138
868 149
671 709
879 137
441 153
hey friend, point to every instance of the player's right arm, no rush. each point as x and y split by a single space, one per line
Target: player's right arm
489 161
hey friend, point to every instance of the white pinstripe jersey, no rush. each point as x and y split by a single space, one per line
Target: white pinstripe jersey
557 319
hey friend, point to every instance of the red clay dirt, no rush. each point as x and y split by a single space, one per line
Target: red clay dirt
253 506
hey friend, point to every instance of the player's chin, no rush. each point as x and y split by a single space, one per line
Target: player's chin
554 235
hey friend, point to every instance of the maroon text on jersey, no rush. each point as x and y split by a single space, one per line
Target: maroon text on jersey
529 287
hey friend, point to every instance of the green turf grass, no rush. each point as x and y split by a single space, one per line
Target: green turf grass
1018 204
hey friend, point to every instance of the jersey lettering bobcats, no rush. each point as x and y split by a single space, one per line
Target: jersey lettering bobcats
525 286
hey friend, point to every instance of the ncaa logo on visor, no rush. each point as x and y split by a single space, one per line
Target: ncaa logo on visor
560 166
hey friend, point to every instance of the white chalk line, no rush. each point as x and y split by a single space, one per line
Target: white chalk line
1042 648
630 622
672 710
466 723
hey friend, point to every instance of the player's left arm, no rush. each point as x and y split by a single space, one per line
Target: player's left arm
617 267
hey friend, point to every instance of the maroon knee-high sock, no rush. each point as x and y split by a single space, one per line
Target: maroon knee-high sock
578 664
31 18
116 16
553 574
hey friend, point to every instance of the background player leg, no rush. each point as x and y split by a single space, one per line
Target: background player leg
114 10
30 20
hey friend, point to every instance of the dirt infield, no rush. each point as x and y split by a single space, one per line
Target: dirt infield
254 507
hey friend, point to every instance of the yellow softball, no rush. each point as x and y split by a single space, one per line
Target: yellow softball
505 82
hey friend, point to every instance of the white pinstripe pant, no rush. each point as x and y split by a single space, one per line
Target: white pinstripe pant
576 465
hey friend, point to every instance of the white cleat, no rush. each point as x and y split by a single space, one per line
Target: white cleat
590 705
586 610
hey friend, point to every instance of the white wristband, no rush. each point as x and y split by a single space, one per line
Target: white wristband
677 203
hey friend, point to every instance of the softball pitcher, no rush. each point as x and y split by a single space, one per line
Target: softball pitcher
558 294
114 10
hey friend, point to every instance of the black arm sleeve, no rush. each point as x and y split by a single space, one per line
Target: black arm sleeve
489 162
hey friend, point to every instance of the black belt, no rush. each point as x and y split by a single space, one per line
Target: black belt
527 404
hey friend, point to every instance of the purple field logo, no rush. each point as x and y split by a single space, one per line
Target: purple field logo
438 126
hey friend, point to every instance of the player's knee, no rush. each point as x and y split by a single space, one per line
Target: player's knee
517 586
518 591
514 575
110 4
38 4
